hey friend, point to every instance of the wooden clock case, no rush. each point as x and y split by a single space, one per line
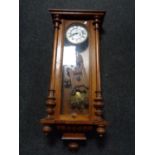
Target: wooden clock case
75 128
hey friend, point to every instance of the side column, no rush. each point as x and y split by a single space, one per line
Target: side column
51 100
98 97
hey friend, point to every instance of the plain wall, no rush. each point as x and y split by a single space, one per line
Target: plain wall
117 68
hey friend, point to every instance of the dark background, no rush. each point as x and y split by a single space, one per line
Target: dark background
117 65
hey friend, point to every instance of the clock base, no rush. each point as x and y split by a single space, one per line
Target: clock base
74 133
73 140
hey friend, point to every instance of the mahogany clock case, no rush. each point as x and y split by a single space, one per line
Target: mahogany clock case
117 68
74 103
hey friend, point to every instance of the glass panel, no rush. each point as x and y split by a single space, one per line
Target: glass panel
75 78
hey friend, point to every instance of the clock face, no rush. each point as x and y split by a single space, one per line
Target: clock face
76 34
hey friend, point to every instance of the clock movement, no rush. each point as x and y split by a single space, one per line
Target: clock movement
74 103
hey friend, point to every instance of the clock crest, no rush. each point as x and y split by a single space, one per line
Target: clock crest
74 103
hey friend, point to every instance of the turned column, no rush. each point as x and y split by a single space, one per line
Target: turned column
98 94
98 98
50 102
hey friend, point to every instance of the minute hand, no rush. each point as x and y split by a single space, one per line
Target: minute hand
73 34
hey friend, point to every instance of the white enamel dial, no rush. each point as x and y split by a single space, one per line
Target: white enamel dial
76 34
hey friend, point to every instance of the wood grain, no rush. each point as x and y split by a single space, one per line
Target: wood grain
75 127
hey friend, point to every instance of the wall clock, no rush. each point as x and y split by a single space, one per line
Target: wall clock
74 103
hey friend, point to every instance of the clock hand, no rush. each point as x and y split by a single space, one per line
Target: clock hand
73 34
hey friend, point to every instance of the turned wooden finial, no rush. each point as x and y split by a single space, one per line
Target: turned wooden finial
101 130
56 21
47 129
97 22
73 146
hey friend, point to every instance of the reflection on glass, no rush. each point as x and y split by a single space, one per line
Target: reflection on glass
69 57
75 79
